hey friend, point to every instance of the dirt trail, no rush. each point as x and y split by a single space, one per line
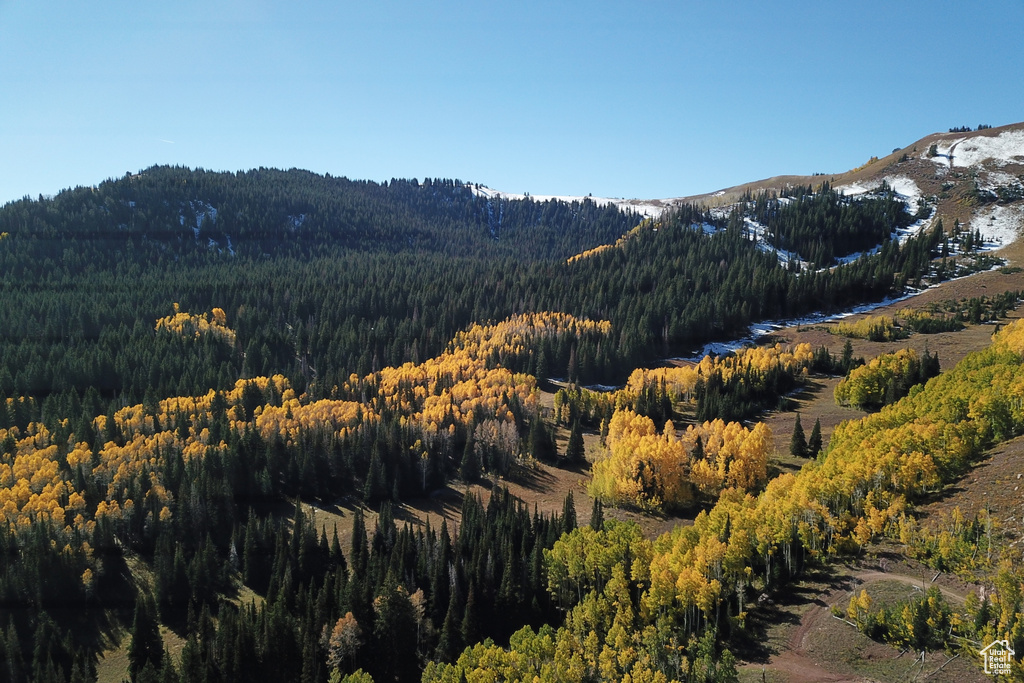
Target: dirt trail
798 665
869 575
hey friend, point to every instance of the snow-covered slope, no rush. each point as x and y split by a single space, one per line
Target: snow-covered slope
905 188
975 177
651 208
965 151
999 225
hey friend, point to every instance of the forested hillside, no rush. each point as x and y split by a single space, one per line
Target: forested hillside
324 277
186 354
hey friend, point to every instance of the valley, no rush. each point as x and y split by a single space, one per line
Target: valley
287 423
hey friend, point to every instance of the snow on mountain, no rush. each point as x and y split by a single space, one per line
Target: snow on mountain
195 212
905 188
1005 148
999 225
651 208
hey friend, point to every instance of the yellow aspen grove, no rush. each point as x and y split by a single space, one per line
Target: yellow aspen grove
652 470
682 381
465 385
194 326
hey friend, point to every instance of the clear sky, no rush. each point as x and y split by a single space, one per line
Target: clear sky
643 99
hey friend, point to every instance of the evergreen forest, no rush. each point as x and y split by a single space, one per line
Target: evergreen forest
191 359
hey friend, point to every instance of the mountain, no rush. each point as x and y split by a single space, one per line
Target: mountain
970 176
173 211
197 369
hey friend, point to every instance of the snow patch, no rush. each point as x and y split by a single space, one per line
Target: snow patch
942 151
200 211
1000 178
762 329
760 235
905 189
1007 147
651 208
993 181
999 225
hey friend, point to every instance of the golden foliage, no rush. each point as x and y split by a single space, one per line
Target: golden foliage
646 223
463 386
866 385
653 470
191 326
762 359
873 327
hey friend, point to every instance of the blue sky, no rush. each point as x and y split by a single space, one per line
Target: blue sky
644 99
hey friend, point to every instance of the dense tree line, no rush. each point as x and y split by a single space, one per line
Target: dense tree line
886 379
372 275
350 349
824 224
414 594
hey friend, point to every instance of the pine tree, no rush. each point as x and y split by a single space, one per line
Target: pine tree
469 468
14 667
542 365
846 361
798 442
574 451
597 516
449 642
569 513
146 647
375 488
540 440
470 628
814 442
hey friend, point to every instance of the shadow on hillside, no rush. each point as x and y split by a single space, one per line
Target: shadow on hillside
443 502
535 479
99 622
783 606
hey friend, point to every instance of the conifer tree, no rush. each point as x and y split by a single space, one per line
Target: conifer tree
597 516
470 628
469 468
798 442
569 513
814 442
574 451
146 647
846 361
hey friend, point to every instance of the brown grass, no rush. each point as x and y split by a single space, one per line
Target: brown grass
112 666
795 637
954 203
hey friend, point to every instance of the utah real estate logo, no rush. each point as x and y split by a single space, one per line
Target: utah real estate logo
997 657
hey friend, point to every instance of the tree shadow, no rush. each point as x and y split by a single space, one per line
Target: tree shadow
445 502
533 478
785 604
